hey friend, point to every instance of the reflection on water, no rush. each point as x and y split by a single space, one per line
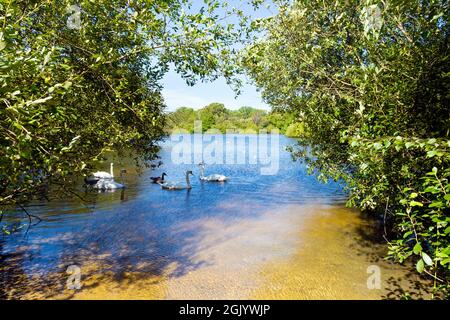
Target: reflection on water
282 236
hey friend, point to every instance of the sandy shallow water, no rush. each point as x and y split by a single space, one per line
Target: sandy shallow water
297 252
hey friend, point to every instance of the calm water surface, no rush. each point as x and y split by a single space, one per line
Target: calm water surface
284 236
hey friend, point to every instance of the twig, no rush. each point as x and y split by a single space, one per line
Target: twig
384 218
29 218
405 33
434 276
70 191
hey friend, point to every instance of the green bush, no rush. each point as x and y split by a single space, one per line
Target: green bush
370 83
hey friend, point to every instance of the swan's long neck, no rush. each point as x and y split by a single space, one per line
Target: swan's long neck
112 170
202 171
188 182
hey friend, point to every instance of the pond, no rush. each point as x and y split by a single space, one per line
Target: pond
277 236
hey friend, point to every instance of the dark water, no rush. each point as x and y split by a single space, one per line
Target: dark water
147 230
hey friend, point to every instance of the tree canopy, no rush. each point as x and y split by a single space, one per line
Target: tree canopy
79 80
370 81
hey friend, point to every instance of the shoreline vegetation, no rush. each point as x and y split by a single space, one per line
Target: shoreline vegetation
216 117
367 84
371 82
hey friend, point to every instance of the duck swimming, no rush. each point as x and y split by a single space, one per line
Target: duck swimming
159 179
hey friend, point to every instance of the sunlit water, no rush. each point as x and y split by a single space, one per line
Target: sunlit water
283 236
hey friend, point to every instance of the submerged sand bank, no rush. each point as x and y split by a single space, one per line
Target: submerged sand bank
297 252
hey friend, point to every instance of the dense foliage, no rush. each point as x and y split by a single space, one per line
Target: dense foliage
244 120
79 80
370 81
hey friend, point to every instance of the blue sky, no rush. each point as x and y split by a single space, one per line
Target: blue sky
178 94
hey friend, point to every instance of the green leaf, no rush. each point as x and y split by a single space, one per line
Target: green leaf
436 204
431 189
67 84
426 258
39 101
2 45
415 204
431 153
377 145
420 266
407 234
417 248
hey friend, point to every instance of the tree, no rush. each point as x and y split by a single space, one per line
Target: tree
210 114
370 84
79 80
216 116
294 130
246 112
182 118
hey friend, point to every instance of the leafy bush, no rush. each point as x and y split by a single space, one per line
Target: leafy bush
370 83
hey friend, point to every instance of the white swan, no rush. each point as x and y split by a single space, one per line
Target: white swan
212 177
108 184
104 174
106 180
178 186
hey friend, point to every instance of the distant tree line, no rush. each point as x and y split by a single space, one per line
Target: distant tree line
243 120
